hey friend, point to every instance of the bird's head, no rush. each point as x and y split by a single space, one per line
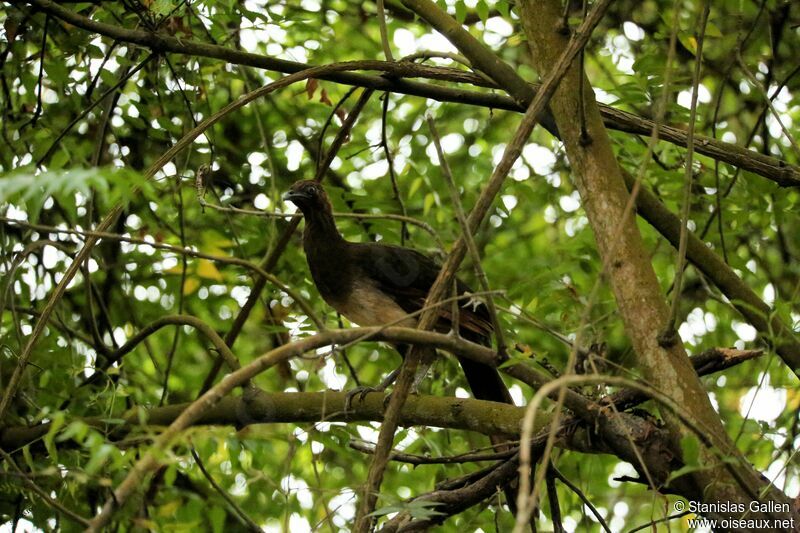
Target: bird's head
308 196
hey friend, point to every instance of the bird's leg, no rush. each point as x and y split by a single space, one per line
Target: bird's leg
427 357
363 390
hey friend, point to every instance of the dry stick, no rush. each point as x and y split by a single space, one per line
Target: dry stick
58 292
473 249
627 209
670 335
387 50
272 257
445 277
525 460
779 171
526 501
707 362
392 176
134 480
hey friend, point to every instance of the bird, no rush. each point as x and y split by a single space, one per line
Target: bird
374 284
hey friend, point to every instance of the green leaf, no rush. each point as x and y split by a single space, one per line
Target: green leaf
56 423
690 450
483 10
162 7
76 430
504 8
98 458
217 518
461 11
31 189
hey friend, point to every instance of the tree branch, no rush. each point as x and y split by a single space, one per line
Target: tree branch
465 414
639 298
108 220
779 171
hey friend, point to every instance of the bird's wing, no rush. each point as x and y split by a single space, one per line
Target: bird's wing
406 276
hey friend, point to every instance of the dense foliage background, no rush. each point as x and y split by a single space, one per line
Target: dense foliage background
84 115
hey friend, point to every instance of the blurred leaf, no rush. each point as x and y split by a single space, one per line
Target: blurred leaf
208 270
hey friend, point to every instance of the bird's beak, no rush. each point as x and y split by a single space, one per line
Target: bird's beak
293 196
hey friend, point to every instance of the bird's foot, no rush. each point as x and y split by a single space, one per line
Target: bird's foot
360 393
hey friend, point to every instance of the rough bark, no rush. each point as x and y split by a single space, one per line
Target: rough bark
642 306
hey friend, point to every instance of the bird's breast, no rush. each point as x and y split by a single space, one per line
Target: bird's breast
366 305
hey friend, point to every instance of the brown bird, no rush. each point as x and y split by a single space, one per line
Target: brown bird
374 284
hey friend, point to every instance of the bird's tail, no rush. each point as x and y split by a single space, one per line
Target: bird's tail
486 384
484 380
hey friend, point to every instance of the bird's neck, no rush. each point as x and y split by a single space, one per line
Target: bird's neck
321 231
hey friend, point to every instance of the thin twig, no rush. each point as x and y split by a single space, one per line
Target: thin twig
447 460
116 211
237 510
578 492
471 246
75 517
392 176
85 111
337 214
328 121
669 335
752 79
387 49
40 80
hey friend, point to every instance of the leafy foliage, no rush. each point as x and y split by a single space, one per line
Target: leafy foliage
537 246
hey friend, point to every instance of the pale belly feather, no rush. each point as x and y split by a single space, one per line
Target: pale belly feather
367 306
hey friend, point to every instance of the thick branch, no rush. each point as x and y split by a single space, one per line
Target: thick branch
741 296
150 461
304 407
641 303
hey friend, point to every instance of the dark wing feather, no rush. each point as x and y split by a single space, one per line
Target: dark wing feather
407 275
